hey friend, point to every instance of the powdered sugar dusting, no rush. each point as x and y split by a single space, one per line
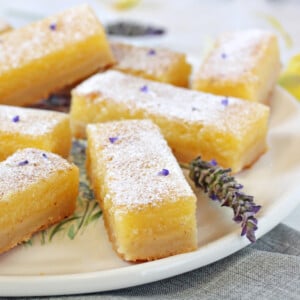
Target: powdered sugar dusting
132 164
16 175
30 121
37 40
169 102
235 55
154 63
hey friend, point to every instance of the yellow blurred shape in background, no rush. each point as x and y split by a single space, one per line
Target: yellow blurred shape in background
290 78
125 4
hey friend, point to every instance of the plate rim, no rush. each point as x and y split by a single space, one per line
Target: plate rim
149 272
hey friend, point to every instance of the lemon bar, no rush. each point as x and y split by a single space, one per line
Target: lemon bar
229 130
148 206
243 64
26 127
152 63
50 54
37 189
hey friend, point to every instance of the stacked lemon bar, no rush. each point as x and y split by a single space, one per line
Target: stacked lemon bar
242 64
157 64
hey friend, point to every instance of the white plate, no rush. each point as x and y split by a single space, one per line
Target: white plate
88 264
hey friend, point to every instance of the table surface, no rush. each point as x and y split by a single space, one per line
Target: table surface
191 31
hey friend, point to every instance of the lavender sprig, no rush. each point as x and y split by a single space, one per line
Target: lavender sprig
221 186
133 29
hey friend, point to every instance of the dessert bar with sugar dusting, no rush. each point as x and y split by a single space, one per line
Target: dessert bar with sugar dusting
148 206
50 54
157 64
229 130
37 189
25 127
243 64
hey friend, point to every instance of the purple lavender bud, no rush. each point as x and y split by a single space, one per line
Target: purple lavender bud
23 163
144 89
154 31
238 219
247 215
113 139
151 52
253 220
238 186
163 172
244 230
44 155
255 208
225 102
213 197
16 119
213 162
53 26
251 236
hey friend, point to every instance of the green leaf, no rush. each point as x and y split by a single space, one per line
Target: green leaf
83 216
94 217
59 226
28 242
71 232
43 239
79 200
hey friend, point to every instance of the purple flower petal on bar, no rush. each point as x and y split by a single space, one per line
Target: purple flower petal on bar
23 163
163 172
144 89
113 139
16 119
225 101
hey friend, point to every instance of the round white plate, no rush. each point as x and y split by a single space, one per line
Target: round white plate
88 264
